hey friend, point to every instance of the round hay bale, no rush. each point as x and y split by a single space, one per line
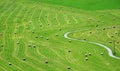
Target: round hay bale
1 34
70 41
90 54
86 59
40 25
86 55
69 68
56 34
101 53
117 42
2 45
46 62
33 32
104 29
24 59
90 32
69 51
110 41
29 45
34 46
97 25
36 36
114 27
26 27
60 29
84 39
18 42
41 36
10 63
112 36
47 38
15 33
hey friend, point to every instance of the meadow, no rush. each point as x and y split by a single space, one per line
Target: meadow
32 35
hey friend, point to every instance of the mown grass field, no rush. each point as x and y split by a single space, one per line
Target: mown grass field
32 35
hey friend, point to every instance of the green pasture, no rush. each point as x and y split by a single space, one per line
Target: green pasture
32 35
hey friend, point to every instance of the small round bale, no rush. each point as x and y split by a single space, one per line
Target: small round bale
24 59
90 54
60 29
15 33
2 45
46 62
34 46
90 32
68 68
41 36
47 38
114 27
110 41
29 45
10 63
103 28
33 32
69 51
70 41
56 34
86 55
112 36
36 36
18 42
86 59
40 25
101 53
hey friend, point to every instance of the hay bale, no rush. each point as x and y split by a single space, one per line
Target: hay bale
84 39
56 34
10 63
24 59
110 41
117 42
47 38
97 25
2 45
70 41
60 29
112 36
36 36
1 34
33 32
86 59
69 68
69 51
41 36
114 27
29 45
86 55
18 42
46 62
101 53
15 33
40 25
90 54
34 46
90 32
104 28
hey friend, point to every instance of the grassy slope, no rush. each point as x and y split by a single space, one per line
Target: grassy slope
24 18
111 37
86 4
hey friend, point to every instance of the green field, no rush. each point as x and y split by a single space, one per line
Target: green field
32 35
